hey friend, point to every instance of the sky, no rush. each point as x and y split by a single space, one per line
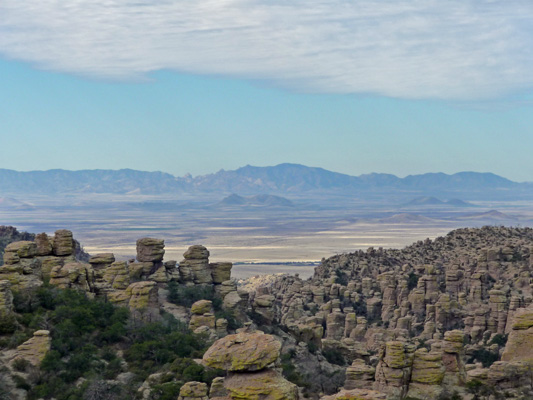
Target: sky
361 86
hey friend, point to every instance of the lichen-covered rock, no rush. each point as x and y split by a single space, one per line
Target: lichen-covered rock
196 252
117 275
220 271
243 352
193 391
150 250
6 297
143 295
44 244
24 249
454 341
34 350
217 389
356 394
359 376
197 321
72 275
263 385
394 369
102 259
427 367
49 262
63 243
519 346
202 307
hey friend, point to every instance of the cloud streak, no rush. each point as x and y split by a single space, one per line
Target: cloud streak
467 49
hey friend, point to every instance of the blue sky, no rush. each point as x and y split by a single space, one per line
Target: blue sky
355 87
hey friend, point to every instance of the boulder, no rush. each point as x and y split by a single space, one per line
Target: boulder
150 250
202 307
221 271
196 252
243 352
263 385
44 244
24 249
217 389
193 391
63 243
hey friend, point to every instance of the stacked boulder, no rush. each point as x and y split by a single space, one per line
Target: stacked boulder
249 358
27 264
196 269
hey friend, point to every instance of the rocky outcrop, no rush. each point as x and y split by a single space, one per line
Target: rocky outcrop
356 394
34 350
243 352
247 355
267 384
6 298
193 391
203 316
71 276
63 243
519 345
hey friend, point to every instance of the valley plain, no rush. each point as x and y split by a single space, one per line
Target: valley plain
259 238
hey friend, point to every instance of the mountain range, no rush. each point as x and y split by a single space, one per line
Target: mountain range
283 179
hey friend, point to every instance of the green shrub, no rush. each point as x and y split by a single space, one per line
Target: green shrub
486 357
188 295
499 339
166 391
8 323
21 365
334 357
21 383
291 373
233 324
412 281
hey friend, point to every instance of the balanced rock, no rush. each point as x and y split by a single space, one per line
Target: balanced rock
63 243
196 252
150 250
202 307
243 352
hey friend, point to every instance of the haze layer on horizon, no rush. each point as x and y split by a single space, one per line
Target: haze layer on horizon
353 87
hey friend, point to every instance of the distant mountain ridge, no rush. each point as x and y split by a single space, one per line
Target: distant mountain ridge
250 180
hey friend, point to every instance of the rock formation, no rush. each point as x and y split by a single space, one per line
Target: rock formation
247 357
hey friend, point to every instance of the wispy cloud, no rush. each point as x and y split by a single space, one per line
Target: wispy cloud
455 49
